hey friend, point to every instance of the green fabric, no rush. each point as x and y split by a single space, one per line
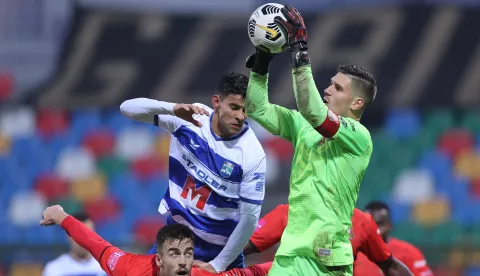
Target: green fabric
326 173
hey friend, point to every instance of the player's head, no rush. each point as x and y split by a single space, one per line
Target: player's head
381 214
76 249
174 250
229 104
350 91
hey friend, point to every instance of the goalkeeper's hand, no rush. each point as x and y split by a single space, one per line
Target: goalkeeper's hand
259 62
294 29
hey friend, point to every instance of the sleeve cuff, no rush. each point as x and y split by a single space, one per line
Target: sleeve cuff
216 266
67 222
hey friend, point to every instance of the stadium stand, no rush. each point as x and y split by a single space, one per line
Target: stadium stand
63 139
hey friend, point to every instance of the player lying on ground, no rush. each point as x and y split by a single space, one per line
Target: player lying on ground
216 170
332 151
174 254
410 255
364 235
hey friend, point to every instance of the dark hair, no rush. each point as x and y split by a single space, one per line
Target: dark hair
173 232
377 205
362 79
233 84
81 216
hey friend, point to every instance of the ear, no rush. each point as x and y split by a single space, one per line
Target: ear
357 104
216 101
158 260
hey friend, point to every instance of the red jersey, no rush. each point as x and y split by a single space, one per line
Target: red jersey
365 236
116 262
408 254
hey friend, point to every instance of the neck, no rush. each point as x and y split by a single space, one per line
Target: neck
216 126
79 258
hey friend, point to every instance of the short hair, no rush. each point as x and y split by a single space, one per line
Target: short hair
377 205
81 216
233 84
362 79
173 232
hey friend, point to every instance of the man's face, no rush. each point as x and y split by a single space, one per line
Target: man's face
231 113
77 249
382 219
338 95
175 258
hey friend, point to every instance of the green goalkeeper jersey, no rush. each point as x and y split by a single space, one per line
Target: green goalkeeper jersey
326 173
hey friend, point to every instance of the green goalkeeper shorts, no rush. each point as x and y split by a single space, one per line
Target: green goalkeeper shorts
305 266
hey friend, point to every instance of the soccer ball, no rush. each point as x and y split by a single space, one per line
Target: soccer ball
264 32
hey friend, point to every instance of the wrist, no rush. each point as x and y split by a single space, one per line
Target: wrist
299 58
216 266
60 218
261 64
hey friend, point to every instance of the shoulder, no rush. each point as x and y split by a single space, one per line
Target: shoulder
412 249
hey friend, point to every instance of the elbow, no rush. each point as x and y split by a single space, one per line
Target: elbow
129 108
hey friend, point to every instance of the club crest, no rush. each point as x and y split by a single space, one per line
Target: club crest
226 170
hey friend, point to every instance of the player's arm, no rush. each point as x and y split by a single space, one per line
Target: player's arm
167 115
416 262
113 261
252 192
377 251
274 118
269 230
309 103
395 268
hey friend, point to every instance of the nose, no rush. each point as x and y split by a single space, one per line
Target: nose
241 116
182 260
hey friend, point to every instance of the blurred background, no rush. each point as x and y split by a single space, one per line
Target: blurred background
65 66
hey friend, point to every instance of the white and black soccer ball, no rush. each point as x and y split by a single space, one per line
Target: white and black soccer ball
264 32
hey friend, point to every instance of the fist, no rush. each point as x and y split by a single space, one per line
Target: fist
53 215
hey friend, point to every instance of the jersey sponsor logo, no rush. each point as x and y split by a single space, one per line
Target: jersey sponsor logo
344 122
113 259
420 263
260 224
260 177
198 196
203 176
227 169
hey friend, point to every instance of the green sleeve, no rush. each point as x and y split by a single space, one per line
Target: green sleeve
309 101
353 136
276 119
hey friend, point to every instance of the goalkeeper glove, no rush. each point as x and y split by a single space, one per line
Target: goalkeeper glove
294 29
259 62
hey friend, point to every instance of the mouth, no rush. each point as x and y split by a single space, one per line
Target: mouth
237 126
325 100
182 272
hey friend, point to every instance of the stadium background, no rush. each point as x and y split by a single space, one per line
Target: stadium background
65 66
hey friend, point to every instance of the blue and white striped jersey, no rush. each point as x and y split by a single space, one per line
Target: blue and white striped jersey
210 175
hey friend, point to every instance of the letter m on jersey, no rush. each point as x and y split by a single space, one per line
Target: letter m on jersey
199 195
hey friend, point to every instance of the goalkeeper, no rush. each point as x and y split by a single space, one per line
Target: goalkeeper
332 151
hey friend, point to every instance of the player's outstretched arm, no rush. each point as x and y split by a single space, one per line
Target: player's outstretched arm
276 119
164 114
309 102
106 254
251 194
